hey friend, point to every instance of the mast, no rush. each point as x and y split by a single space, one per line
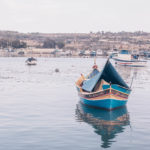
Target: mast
95 65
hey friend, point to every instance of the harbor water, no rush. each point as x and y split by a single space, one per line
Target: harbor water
40 108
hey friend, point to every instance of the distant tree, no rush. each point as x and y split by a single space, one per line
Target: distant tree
3 43
60 45
17 44
48 43
23 45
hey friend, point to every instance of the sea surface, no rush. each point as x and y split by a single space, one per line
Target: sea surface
40 108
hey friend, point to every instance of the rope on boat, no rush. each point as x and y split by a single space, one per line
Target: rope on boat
132 80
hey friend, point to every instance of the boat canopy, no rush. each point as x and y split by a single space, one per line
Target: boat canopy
109 74
31 59
124 52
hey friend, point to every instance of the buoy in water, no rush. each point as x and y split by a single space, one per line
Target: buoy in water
56 70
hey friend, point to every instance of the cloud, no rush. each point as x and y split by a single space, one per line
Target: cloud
74 15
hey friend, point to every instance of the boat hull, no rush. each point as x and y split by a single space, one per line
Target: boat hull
31 62
131 63
110 98
108 104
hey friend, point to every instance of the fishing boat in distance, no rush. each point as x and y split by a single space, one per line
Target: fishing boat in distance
105 89
125 58
147 55
31 61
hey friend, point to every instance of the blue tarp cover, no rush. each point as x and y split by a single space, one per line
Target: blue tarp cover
89 84
93 73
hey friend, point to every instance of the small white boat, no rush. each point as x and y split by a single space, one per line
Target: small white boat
147 55
31 61
125 58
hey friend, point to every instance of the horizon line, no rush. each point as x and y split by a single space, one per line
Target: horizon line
105 31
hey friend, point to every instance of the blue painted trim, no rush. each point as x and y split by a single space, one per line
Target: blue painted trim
105 86
118 88
106 103
131 65
129 60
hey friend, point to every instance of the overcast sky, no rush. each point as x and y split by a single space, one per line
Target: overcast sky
54 16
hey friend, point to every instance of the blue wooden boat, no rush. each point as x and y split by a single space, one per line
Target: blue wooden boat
105 89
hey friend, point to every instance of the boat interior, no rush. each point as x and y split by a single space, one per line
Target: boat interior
99 86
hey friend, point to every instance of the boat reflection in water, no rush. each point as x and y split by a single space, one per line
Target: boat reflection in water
108 124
